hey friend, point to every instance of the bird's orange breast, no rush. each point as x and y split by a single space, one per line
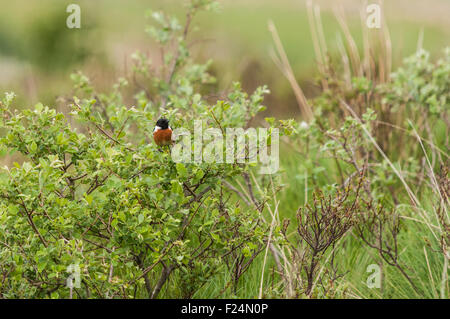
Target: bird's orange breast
163 137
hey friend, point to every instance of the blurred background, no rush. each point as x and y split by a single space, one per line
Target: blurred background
38 52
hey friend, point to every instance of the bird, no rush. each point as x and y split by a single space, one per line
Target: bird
162 134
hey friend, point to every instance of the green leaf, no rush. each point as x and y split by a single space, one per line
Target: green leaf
33 147
89 199
27 166
181 170
39 107
13 209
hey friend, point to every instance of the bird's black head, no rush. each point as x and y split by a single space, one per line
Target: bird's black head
163 123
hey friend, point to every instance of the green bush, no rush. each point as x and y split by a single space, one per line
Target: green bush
95 192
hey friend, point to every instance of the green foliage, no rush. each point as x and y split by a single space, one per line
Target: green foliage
395 134
421 84
95 191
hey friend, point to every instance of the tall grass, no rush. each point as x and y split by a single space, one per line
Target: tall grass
394 138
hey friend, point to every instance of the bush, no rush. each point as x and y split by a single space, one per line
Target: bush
101 196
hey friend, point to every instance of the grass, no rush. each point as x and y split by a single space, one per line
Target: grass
420 257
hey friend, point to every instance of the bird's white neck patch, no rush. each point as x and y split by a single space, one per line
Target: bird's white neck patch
157 128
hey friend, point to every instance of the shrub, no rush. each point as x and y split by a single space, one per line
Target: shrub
98 194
